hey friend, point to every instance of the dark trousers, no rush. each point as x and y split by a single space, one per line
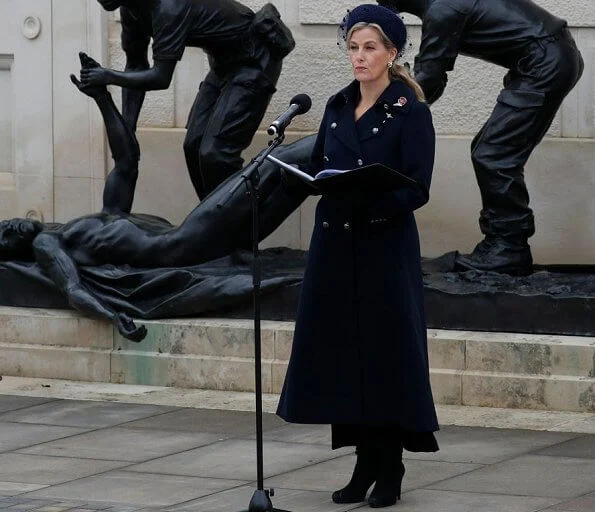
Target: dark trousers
526 107
227 111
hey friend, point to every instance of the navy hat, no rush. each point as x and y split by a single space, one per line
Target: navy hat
390 22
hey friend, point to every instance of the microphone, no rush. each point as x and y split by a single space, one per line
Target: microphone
299 104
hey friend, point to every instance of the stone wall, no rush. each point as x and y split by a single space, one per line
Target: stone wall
560 174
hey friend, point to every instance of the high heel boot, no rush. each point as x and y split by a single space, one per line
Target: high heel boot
388 479
361 480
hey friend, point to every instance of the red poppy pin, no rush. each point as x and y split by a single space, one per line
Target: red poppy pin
401 102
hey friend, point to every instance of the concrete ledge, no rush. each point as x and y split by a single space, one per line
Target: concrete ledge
467 368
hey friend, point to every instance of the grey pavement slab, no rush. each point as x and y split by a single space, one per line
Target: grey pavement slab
74 413
237 459
334 474
309 434
225 423
134 445
529 475
140 489
425 500
17 435
238 500
581 447
488 445
583 504
13 488
37 469
13 402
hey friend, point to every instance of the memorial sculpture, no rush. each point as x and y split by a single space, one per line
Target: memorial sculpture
218 226
245 52
543 65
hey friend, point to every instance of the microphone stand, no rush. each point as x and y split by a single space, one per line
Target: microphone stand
261 501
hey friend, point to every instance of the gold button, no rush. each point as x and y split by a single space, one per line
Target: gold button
334 125
374 131
347 226
325 224
360 161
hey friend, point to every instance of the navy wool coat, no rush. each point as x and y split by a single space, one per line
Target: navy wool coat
359 352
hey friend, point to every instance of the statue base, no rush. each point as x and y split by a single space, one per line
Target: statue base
557 299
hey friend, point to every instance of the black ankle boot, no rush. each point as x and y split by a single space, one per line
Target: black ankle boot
361 480
388 481
506 255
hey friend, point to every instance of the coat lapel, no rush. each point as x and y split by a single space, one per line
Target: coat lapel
342 122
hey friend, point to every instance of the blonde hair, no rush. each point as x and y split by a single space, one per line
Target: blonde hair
396 71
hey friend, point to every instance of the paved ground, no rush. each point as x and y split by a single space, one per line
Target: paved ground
59 454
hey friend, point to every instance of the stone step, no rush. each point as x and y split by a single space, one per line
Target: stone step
467 368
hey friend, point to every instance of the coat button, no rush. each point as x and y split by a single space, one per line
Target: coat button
326 158
360 161
333 125
325 224
347 226
374 131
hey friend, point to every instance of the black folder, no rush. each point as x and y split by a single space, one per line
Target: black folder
369 179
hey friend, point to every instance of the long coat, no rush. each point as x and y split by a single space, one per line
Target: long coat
359 352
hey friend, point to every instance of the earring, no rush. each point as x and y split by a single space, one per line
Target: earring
390 64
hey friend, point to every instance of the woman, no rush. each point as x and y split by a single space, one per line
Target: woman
359 359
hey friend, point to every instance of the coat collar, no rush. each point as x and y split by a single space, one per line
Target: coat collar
397 98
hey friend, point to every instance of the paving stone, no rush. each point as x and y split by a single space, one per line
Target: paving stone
18 435
425 500
225 423
333 474
13 402
487 445
582 447
583 504
14 488
236 500
134 445
309 434
529 475
55 508
155 490
36 469
74 413
237 459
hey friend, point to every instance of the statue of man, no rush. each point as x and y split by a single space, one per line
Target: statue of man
543 66
117 237
245 52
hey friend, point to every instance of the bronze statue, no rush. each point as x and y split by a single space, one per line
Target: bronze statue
217 226
245 51
543 65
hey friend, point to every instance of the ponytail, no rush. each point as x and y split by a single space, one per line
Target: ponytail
399 72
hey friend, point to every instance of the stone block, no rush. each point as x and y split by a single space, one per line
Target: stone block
516 391
28 326
283 341
446 349
447 386
216 338
220 373
278 369
70 363
533 355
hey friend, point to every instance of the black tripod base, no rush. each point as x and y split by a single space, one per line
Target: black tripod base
261 502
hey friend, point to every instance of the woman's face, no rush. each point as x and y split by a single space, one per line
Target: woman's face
369 56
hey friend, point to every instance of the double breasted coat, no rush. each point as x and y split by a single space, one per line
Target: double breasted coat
359 352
